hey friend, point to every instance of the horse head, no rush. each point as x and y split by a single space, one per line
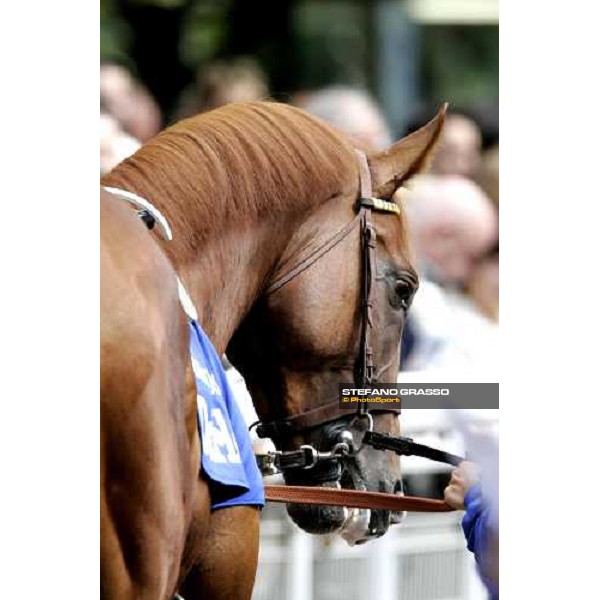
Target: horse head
306 334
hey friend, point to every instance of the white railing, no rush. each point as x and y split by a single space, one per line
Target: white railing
424 559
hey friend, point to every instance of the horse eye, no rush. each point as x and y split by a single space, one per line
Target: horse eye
404 292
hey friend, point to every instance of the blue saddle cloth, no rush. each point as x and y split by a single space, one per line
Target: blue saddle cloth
228 461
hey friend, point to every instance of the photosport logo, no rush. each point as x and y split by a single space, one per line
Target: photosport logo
420 395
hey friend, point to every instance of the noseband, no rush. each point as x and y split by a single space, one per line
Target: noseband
365 368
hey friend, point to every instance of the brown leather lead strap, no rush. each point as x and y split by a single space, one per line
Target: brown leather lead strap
352 499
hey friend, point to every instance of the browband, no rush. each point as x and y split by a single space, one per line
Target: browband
378 204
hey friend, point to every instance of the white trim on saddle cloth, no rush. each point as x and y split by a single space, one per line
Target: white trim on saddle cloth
142 203
186 301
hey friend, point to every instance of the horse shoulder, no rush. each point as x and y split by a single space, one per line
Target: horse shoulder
145 445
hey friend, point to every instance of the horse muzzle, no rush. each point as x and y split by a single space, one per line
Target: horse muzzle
363 525
356 526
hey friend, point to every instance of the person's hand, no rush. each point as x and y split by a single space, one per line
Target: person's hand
462 479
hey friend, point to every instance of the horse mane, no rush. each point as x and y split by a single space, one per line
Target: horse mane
237 163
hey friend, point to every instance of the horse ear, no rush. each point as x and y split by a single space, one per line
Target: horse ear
410 156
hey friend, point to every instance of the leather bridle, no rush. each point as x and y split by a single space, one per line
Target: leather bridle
365 368
325 465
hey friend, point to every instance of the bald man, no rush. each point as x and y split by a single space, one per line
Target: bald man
452 223
351 110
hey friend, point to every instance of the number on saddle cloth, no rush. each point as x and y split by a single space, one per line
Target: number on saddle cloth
227 457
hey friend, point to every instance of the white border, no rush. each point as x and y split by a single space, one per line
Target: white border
550 232
550 229
49 425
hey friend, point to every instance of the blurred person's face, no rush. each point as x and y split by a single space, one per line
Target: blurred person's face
115 144
116 87
452 247
452 223
241 91
368 128
351 112
460 148
129 103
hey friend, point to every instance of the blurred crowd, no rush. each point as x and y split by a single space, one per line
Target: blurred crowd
452 211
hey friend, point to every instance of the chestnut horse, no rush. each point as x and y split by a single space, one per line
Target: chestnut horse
248 190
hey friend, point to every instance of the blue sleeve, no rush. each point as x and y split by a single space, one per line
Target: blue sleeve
475 527
474 522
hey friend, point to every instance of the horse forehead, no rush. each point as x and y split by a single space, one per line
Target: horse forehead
392 234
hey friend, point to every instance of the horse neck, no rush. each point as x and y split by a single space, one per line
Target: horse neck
228 270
